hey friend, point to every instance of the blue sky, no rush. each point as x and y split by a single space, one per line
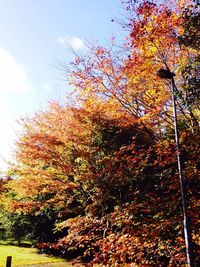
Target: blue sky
33 37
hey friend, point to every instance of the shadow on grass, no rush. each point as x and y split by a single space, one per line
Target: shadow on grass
24 244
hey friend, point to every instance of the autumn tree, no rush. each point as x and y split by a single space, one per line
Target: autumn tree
66 154
129 76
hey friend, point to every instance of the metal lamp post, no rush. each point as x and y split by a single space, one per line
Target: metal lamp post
167 74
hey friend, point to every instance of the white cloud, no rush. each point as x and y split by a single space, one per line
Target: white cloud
7 135
12 76
73 42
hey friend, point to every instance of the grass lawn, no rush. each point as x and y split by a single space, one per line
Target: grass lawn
24 256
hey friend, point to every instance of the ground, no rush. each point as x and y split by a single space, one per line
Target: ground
23 256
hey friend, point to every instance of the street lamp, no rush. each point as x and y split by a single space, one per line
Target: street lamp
167 74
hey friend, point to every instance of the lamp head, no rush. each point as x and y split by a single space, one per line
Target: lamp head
165 74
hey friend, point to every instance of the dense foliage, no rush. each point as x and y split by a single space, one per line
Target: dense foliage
98 180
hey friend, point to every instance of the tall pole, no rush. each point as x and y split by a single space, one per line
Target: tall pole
187 232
